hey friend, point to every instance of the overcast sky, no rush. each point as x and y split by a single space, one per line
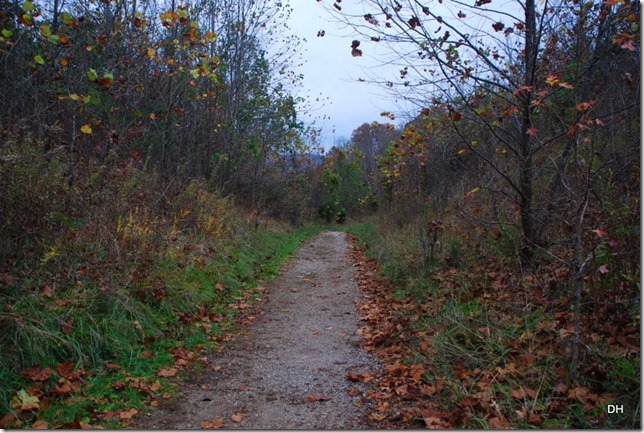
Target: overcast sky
331 71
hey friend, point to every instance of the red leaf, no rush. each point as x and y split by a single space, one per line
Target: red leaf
371 20
522 89
600 233
413 22
498 26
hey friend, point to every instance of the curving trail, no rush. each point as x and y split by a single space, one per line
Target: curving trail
289 370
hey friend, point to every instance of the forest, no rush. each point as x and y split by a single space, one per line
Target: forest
155 167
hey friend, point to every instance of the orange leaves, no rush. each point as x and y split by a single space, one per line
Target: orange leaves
167 372
127 414
237 417
523 393
214 424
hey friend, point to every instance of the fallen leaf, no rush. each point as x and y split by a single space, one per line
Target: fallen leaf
9 421
535 419
497 423
40 425
127 414
237 417
47 291
214 424
314 397
215 367
377 416
146 354
167 372
36 374
23 401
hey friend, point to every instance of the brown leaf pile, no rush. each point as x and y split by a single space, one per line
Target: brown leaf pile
414 392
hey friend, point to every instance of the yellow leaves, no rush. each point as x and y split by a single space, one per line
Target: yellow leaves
28 6
553 80
86 129
45 30
39 60
150 53
52 253
473 191
24 401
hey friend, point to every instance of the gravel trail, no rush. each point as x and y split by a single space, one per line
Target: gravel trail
289 369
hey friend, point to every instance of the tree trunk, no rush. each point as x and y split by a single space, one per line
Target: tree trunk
526 175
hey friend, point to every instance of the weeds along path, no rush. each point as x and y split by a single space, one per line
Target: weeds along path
289 370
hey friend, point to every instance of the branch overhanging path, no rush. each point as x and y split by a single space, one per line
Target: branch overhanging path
289 369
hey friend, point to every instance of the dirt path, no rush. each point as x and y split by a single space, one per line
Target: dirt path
289 370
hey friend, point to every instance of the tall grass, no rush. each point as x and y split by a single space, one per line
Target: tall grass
96 267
